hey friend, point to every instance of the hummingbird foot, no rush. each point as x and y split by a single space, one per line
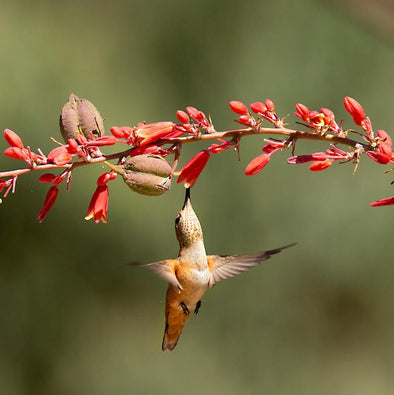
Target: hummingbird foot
198 305
185 309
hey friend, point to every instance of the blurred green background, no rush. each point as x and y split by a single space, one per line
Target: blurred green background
317 319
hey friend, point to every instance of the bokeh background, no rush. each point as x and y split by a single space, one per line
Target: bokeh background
317 319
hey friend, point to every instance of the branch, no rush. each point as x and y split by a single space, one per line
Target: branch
143 165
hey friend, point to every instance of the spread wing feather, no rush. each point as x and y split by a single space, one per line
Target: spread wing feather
223 267
166 270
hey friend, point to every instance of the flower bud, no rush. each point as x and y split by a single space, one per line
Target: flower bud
145 174
80 116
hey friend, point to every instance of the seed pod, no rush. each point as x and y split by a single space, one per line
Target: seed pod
145 174
80 116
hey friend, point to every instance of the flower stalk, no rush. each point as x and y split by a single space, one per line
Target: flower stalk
83 131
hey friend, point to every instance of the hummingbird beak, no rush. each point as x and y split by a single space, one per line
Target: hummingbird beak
117 168
187 198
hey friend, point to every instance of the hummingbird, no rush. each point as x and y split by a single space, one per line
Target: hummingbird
192 272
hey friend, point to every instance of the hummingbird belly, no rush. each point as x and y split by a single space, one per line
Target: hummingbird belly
194 283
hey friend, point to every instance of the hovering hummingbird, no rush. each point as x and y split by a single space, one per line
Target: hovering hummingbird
193 272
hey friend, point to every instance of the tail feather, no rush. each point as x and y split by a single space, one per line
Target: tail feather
169 342
175 321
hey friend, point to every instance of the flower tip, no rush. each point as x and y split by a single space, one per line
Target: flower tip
258 107
257 164
13 139
383 202
354 108
238 107
320 165
182 116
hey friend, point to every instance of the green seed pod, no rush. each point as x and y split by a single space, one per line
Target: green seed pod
145 174
80 116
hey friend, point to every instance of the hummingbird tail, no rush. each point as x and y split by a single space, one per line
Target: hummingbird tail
174 325
169 342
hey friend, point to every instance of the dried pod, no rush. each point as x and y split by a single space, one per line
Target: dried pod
80 116
145 174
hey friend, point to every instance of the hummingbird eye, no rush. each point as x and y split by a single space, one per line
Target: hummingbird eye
177 219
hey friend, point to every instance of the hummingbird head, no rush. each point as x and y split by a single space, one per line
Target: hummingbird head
187 227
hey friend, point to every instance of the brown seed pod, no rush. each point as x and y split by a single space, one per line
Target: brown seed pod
80 116
145 174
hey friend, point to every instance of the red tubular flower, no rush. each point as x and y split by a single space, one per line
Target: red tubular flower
386 149
383 135
270 105
47 178
121 132
98 206
273 146
302 112
102 141
193 168
176 133
59 156
245 119
257 164
153 131
379 157
13 139
72 146
238 107
317 156
353 107
182 116
320 165
6 184
197 115
117 132
105 177
193 113
258 107
15 153
217 148
149 149
81 139
49 202
383 202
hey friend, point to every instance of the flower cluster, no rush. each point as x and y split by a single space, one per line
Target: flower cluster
143 164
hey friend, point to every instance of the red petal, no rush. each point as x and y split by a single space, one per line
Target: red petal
98 206
182 116
384 136
270 105
258 107
105 177
383 202
191 171
59 156
49 202
320 165
154 131
47 178
117 132
317 156
193 113
379 157
14 153
238 107
13 139
102 141
257 164
353 107
302 112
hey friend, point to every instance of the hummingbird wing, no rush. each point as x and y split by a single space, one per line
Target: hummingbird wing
166 270
227 266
